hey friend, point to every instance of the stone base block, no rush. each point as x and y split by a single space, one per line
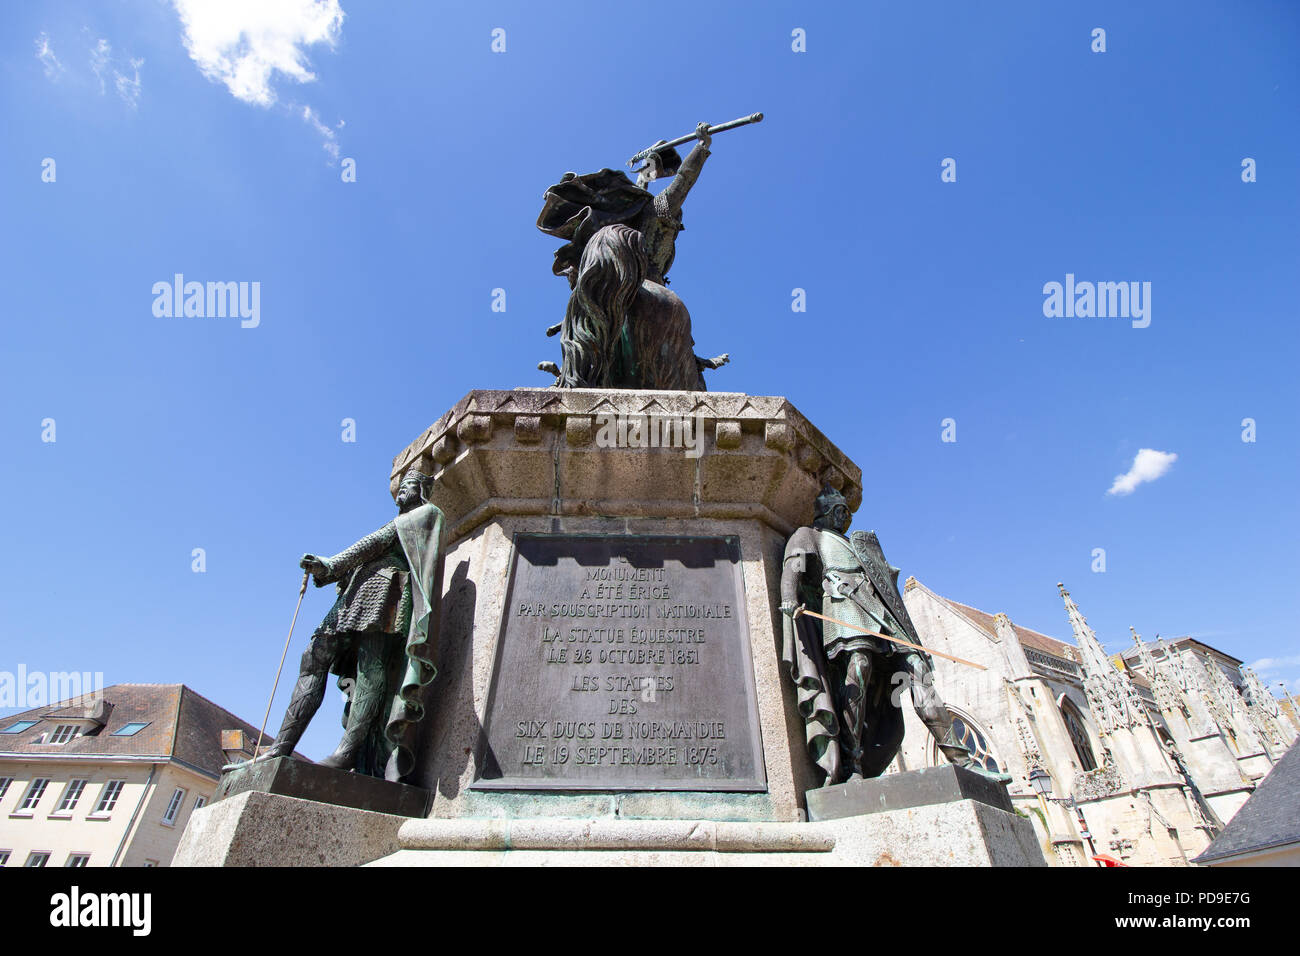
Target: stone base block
956 833
310 781
266 829
899 791
622 835
961 833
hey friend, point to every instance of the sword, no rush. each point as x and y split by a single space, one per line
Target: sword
893 640
681 140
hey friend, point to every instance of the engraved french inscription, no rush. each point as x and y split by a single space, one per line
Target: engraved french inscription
623 663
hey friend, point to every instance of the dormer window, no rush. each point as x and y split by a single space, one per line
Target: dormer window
63 733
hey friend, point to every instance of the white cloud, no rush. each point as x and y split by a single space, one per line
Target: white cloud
45 53
310 116
1275 663
102 65
244 43
99 60
1148 465
129 87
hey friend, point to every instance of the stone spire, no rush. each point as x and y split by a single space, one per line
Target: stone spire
1113 698
1263 706
1167 694
1234 706
1256 694
1288 713
1190 676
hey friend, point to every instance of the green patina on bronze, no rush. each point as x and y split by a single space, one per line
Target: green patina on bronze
849 684
376 639
623 327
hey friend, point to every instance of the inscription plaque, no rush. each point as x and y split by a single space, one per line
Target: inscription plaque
623 663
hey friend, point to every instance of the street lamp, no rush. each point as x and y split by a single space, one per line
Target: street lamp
1041 781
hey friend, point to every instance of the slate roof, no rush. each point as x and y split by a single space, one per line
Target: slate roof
1139 679
1033 639
1270 819
182 725
1131 653
1039 642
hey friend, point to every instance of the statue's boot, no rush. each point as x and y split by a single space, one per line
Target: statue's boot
361 718
958 755
366 705
308 692
307 696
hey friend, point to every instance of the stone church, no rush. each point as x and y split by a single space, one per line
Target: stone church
1139 758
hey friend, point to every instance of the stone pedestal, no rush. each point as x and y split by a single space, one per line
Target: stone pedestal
308 781
942 816
902 791
255 828
555 462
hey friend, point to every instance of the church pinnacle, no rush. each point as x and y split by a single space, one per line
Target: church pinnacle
1166 692
1111 694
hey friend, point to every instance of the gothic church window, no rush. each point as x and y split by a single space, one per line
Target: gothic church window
1078 735
970 736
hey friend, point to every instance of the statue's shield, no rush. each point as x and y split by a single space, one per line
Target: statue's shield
884 578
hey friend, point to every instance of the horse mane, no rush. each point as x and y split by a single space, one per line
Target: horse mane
594 338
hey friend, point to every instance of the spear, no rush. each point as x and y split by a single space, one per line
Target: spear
680 140
893 640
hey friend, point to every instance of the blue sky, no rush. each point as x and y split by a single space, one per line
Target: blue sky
176 151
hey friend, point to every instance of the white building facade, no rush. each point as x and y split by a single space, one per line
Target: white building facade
1139 760
111 778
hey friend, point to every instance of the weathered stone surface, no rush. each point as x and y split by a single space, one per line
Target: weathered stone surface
728 434
266 829
759 458
528 429
960 833
551 834
898 791
310 781
547 466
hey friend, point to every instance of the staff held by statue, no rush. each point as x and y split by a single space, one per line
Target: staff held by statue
683 140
